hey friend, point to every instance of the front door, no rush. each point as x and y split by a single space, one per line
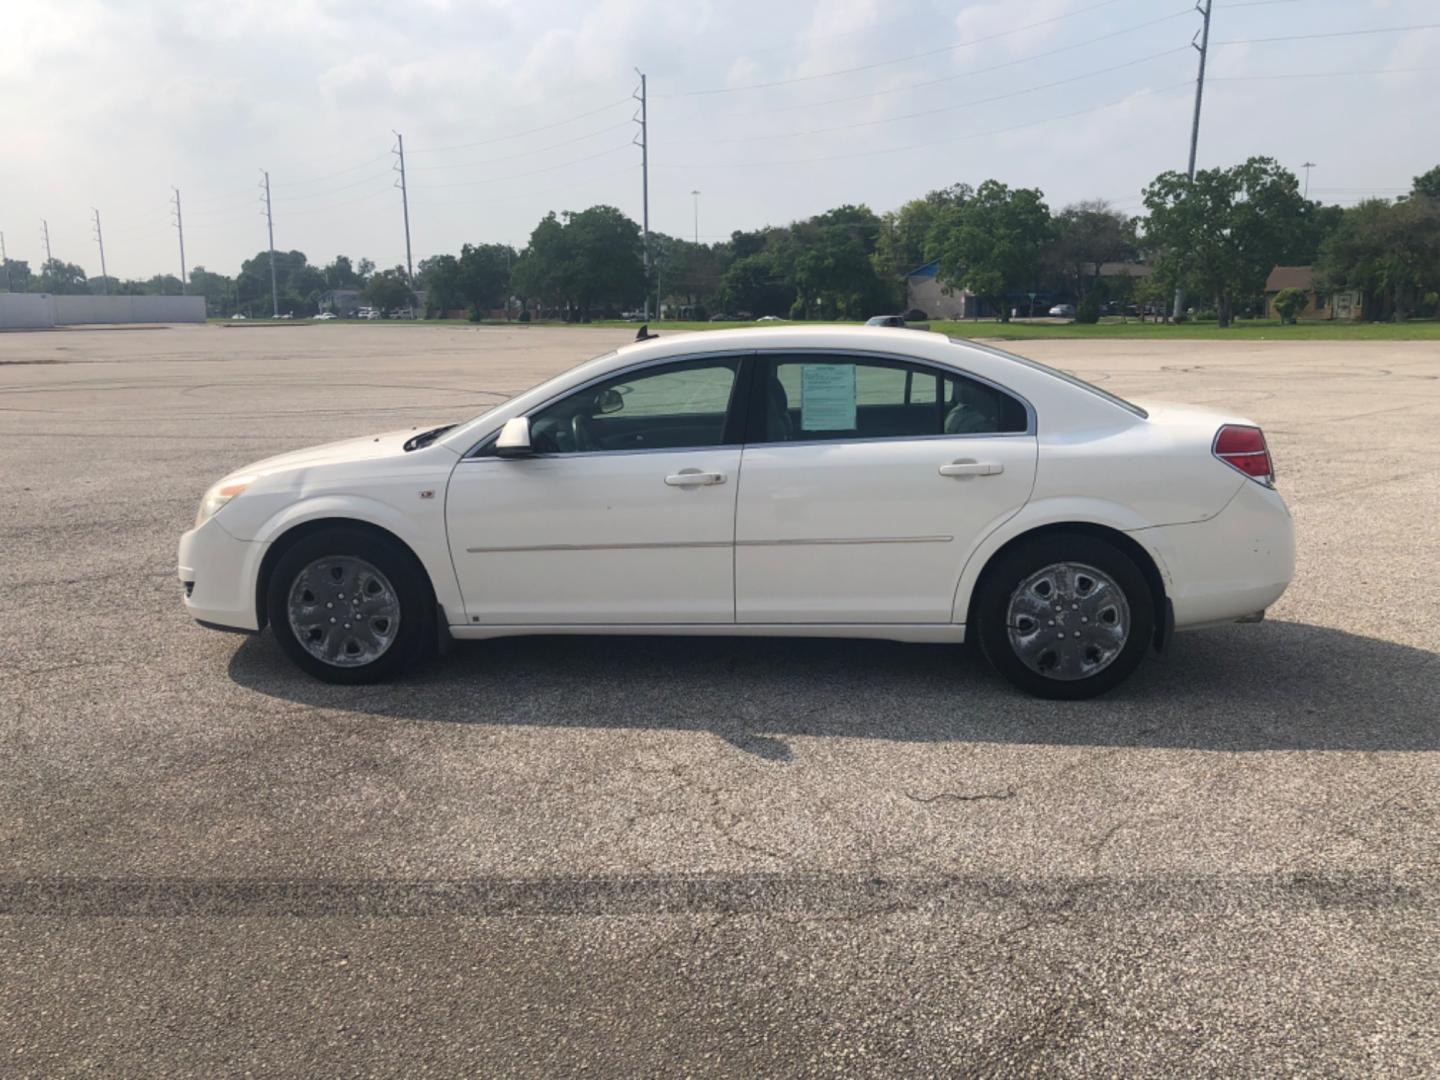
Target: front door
867 482
625 513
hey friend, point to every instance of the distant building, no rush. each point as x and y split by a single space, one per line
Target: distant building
924 291
345 302
1341 304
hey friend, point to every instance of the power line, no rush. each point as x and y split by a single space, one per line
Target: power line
1319 74
520 134
974 72
1331 34
896 60
343 187
1049 119
534 172
338 172
523 153
948 108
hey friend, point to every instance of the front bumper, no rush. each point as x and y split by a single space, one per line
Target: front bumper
219 574
1230 567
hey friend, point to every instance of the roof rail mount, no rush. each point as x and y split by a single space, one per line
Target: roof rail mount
644 333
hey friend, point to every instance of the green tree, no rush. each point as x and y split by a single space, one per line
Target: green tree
906 232
60 278
340 274
439 276
484 274
218 290
1428 184
993 243
1289 303
389 290
833 269
1088 234
1225 231
755 284
591 260
1390 251
15 275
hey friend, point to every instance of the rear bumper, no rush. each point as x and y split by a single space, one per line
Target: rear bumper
219 573
1229 567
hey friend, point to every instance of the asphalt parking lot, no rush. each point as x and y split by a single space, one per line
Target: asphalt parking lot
669 857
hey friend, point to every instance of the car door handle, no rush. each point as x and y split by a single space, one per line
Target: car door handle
694 478
972 468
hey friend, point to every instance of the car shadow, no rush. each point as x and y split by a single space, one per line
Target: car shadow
1276 686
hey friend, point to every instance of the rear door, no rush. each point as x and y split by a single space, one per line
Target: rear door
867 481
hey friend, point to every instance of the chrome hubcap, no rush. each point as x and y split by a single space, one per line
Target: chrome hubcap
1068 621
344 611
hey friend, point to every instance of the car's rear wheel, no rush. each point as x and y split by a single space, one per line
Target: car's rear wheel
1065 616
350 606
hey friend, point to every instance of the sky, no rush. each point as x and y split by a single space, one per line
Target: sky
772 110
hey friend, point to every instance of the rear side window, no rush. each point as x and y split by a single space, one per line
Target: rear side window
805 398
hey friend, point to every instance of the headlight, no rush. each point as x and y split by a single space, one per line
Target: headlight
219 495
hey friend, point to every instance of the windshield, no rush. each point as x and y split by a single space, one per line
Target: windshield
1065 376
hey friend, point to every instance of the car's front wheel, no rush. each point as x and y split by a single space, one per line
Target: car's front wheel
1065 616
350 606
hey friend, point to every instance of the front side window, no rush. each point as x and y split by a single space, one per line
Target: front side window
664 408
819 397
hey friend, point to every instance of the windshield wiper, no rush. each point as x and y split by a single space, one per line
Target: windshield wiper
425 438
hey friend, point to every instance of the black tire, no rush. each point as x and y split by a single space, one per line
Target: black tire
1015 567
416 620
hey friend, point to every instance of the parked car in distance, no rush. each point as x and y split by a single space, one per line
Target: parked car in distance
895 322
238 315
325 316
722 317
894 485
1063 311
769 319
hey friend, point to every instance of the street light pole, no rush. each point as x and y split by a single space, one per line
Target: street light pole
696 194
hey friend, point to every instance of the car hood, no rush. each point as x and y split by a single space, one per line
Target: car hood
346 451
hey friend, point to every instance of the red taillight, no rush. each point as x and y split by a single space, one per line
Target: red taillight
1244 448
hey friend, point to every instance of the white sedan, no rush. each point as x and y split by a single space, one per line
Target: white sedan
821 482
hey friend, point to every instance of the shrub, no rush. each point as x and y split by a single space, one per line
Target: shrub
525 316
1089 310
1289 303
797 311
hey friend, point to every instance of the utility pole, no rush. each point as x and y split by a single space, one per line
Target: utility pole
100 239
696 195
270 229
1307 167
5 260
180 228
643 121
45 231
404 203
1202 48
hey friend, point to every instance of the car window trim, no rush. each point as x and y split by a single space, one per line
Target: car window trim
735 414
755 434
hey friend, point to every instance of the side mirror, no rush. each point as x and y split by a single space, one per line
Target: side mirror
514 440
609 401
